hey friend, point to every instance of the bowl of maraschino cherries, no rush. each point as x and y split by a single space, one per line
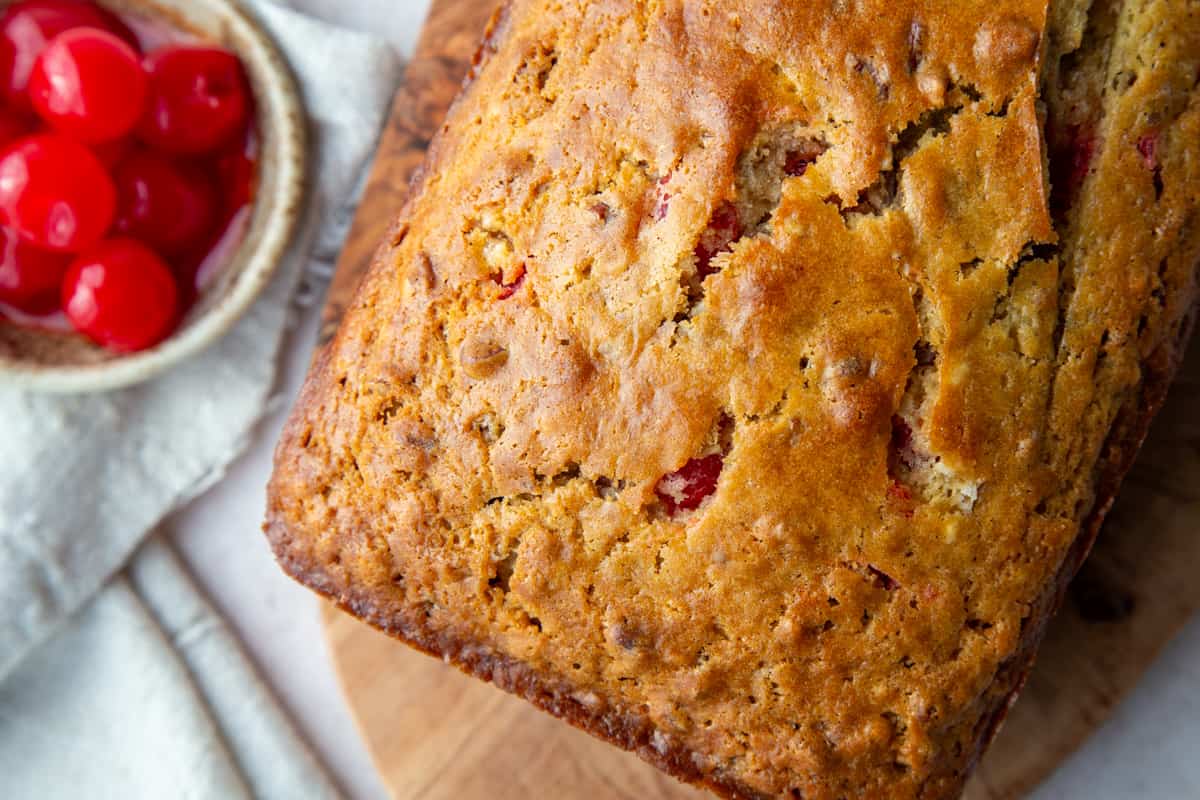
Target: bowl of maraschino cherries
151 173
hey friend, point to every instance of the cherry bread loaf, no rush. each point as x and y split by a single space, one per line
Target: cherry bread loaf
743 382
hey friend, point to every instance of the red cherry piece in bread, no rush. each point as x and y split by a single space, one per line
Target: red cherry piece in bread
121 295
507 290
55 193
901 445
723 229
199 100
1081 161
902 455
30 278
89 85
686 488
1070 164
170 206
1147 145
900 498
796 162
25 29
662 198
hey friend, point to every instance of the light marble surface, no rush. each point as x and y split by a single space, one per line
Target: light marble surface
1149 749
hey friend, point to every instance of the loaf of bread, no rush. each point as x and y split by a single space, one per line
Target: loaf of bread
743 382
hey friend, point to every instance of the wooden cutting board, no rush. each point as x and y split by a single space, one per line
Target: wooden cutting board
436 734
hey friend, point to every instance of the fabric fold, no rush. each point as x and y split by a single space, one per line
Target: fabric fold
87 477
106 707
130 685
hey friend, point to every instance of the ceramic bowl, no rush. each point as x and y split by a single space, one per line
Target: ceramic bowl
67 363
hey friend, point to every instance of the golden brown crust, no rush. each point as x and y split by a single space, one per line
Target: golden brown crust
635 733
749 402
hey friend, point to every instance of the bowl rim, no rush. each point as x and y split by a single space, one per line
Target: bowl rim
281 110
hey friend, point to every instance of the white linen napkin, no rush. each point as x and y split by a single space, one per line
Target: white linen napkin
131 686
145 694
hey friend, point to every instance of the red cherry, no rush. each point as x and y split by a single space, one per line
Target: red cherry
1070 161
199 99
723 229
14 125
507 290
169 206
900 498
186 268
686 488
55 193
112 153
237 173
796 162
121 295
901 445
89 84
1148 146
27 26
30 279
662 199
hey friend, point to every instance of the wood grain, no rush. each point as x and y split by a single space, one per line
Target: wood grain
440 61
436 734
